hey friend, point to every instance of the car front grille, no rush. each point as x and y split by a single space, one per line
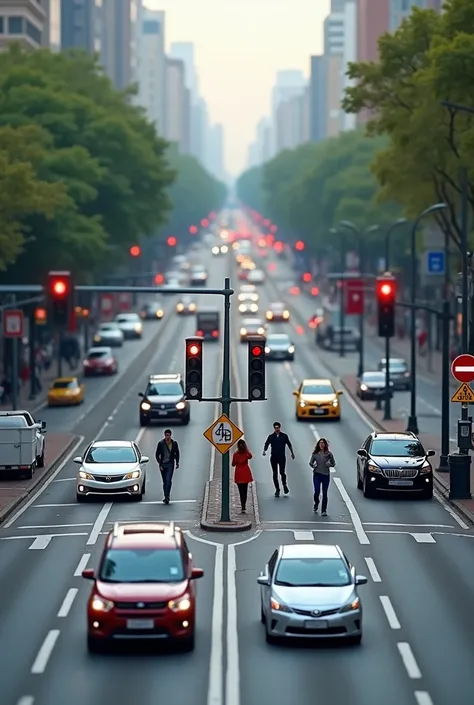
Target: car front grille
323 613
108 478
140 605
401 473
163 407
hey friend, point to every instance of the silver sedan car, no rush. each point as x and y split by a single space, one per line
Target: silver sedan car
310 591
111 468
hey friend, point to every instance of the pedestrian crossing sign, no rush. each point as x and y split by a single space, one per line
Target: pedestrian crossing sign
464 395
223 434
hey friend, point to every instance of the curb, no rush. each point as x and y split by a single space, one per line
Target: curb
40 480
224 526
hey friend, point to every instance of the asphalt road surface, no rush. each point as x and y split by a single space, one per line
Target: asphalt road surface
419 625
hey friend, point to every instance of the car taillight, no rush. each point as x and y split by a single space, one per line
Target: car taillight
199 333
215 333
86 363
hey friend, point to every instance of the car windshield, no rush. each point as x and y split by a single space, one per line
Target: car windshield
164 389
111 454
320 388
109 327
312 572
142 565
12 422
278 339
397 448
129 318
98 354
277 307
395 365
373 377
208 317
65 384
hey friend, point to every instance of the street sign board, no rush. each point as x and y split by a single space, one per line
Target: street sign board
464 395
223 433
435 262
462 368
125 302
107 306
354 297
13 323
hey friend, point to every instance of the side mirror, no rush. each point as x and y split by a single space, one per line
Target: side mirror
140 394
88 574
263 580
361 580
430 453
339 392
197 573
362 453
145 459
77 460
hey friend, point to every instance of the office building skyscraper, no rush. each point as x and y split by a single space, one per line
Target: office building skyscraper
79 25
26 22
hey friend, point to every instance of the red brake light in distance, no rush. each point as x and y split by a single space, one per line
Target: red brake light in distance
307 277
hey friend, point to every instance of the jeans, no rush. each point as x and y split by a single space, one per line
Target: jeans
278 466
167 477
243 492
321 481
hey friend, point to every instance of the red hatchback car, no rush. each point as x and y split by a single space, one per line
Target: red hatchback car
100 361
144 588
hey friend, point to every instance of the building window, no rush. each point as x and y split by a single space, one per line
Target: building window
15 25
1 25
33 32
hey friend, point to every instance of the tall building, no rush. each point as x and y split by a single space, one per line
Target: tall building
24 21
216 151
200 117
400 9
317 99
184 51
116 41
333 59
152 70
79 25
55 25
373 19
177 120
348 121
288 84
291 122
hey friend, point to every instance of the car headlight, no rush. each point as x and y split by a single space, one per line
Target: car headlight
335 402
302 403
243 331
277 606
98 604
192 307
215 250
138 328
159 314
269 315
180 405
96 338
145 406
85 475
373 468
133 475
286 314
351 606
254 308
261 331
267 350
291 349
364 387
242 308
184 604
224 249
180 307
426 467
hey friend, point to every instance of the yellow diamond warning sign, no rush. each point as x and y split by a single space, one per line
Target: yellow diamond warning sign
464 395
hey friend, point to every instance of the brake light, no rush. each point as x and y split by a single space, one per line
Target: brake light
199 334
215 333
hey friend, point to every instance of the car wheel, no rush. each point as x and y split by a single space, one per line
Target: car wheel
40 460
368 492
186 420
187 644
360 484
28 474
144 421
93 645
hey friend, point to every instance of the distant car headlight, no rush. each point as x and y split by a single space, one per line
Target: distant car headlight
269 315
291 349
254 308
267 350
261 331
180 405
138 328
133 475
96 338
145 406
335 402
215 250
364 387
242 308
286 314
85 475
98 604
243 331
278 607
192 307
182 605
159 313
180 307
351 606
224 249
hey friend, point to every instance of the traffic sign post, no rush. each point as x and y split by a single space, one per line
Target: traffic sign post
436 262
459 463
223 434
464 395
13 323
462 368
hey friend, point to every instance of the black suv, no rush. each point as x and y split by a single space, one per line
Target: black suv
164 400
394 462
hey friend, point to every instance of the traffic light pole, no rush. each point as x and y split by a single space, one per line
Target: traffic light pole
226 402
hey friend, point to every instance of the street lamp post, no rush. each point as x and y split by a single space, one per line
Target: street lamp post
412 420
400 221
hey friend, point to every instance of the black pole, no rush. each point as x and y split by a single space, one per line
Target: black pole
465 282
32 354
412 420
342 296
360 371
387 412
445 401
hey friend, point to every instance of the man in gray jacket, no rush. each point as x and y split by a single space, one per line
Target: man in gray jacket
167 457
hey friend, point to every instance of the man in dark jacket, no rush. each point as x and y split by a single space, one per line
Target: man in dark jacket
167 457
278 442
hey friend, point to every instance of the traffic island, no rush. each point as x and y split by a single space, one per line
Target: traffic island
211 506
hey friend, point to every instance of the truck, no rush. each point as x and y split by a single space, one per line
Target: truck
22 443
329 331
208 323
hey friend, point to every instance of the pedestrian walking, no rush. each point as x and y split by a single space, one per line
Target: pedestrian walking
242 475
167 457
278 442
322 460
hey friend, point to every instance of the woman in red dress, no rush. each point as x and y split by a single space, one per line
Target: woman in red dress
243 474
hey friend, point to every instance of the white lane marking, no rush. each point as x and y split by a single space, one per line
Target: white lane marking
374 573
284 521
67 602
318 531
99 524
424 538
53 536
66 479
216 662
26 700
40 543
45 484
44 654
421 526
48 506
390 612
359 529
82 565
173 501
53 526
291 375
450 510
423 698
409 660
303 535
232 681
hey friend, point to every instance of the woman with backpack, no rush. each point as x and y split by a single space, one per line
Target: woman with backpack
322 460
242 475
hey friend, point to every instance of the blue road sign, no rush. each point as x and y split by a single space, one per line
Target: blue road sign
436 262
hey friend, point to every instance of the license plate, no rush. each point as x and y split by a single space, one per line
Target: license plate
140 624
400 483
315 624
162 413
318 412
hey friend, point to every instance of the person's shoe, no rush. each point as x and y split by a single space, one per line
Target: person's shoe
315 508
243 510
324 514
286 489
166 500
277 493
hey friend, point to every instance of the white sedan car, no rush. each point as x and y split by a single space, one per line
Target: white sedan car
130 325
111 468
256 276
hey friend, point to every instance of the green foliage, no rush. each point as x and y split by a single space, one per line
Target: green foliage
193 196
98 170
249 188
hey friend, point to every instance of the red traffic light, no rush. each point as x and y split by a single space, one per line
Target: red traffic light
171 241
135 251
159 279
386 289
59 287
193 230
299 246
256 351
205 223
307 277
194 349
40 314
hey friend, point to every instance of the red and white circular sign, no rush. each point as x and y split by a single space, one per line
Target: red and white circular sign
462 368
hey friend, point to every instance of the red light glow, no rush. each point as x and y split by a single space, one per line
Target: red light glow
40 314
271 267
135 251
300 330
278 246
205 223
299 246
193 349
171 241
59 287
256 351
295 291
386 289
314 291
159 279
267 223
193 230
307 277
273 228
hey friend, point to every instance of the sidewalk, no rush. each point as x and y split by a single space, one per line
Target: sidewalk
465 507
13 492
24 402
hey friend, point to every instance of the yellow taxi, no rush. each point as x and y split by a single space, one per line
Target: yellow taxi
66 391
317 398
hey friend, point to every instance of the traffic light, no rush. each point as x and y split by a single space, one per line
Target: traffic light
41 316
60 298
135 251
193 380
299 246
256 368
386 295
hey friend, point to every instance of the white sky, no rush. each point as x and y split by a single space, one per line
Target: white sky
239 47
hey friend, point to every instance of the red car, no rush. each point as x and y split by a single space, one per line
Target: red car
144 588
100 361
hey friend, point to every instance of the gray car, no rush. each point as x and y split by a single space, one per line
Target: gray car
370 384
279 347
111 468
109 334
309 591
398 372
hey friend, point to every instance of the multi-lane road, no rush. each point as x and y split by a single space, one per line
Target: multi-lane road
418 556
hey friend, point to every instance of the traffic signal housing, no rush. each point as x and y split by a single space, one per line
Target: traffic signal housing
386 297
60 298
256 368
194 368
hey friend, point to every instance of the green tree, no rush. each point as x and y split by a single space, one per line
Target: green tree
249 188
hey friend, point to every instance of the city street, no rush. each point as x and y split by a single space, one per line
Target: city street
418 558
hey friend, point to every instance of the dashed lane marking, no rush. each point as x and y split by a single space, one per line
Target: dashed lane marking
423 698
53 536
82 565
54 526
359 529
26 700
390 612
40 543
303 535
424 538
339 523
68 602
99 524
409 660
44 654
374 573
421 526
66 479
